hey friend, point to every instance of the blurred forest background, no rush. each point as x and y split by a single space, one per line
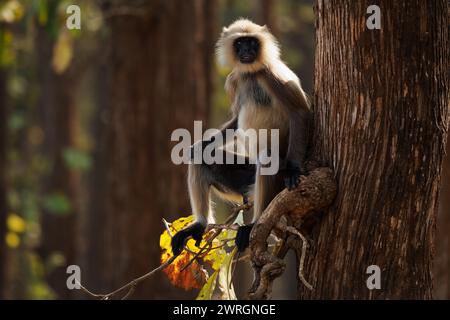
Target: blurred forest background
85 123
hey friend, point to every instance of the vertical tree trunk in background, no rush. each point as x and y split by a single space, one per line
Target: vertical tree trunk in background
268 15
159 81
3 206
301 40
57 109
381 107
442 265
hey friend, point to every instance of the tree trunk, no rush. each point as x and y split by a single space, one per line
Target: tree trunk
268 15
57 111
3 205
381 110
442 265
159 81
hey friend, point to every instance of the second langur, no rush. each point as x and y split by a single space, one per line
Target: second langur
265 94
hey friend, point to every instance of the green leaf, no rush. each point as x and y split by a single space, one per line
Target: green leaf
42 12
208 289
225 278
57 203
17 121
77 159
7 53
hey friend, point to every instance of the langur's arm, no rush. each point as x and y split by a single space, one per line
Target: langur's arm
230 124
230 88
295 104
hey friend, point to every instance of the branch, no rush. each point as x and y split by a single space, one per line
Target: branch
217 230
131 286
314 193
302 250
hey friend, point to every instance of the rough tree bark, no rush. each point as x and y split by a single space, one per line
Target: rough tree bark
285 217
442 265
159 81
381 110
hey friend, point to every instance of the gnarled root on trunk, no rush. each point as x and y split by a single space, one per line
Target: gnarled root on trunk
315 192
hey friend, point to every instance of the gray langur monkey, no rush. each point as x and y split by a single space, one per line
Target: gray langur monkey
265 94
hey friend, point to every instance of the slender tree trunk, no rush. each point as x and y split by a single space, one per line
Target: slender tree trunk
381 111
57 109
268 15
3 205
301 40
159 81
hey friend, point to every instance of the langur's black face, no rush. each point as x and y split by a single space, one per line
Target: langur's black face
246 49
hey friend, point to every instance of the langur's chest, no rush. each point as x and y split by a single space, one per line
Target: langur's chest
258 110
251 92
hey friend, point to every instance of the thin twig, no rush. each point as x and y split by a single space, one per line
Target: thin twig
129 293
130 285
302 257
217 231
167 226
223 226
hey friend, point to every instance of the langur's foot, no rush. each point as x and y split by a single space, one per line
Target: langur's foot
292 174
243 237
195 231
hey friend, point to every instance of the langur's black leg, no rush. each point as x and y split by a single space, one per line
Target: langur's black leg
234 178
266 188
238 178
198 185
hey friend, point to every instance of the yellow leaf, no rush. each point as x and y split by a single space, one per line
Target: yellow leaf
15 223
192 277
208 289
55 260
225 277
215 258
62 52
12 240
165 239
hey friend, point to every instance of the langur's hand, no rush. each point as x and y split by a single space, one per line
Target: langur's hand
195 231
291 174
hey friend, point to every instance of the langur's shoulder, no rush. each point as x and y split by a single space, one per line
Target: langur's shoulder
280 71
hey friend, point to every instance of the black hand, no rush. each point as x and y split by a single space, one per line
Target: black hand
243 237
195 231
292 174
